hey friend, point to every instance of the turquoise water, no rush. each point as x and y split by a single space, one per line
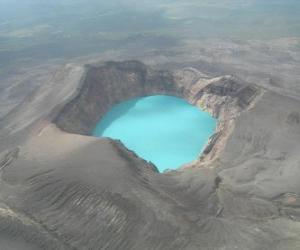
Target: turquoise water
165 130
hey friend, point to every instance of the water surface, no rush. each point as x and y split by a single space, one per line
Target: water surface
165 130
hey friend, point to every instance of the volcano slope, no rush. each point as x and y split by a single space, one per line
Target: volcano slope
62 189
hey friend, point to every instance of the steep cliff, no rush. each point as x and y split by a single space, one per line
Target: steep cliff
107 85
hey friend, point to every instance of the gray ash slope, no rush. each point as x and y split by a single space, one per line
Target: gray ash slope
62 190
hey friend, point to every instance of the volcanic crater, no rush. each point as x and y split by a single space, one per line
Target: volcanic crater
113 82
64 189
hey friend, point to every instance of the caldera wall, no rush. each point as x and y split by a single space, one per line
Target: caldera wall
110 84
113 82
